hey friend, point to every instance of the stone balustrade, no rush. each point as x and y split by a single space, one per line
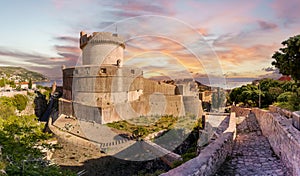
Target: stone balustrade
283 137
283 112
296 119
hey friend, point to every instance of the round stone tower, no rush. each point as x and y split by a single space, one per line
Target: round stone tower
102 48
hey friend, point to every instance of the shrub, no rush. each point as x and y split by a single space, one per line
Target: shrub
7 107
19 137
20 102
284 97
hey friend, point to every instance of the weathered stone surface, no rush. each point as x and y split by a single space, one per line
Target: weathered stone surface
296 119
252 153
103 90
240 111
280 111
283 137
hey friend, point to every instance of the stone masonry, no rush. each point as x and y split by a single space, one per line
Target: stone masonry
252 153
103 90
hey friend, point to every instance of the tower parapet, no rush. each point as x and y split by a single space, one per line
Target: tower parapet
102 48
99 38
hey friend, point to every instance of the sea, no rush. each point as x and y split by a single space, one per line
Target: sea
227 83
59 82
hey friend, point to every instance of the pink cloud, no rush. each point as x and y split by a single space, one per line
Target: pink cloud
136 8
238 55
266 25
69 49
68 39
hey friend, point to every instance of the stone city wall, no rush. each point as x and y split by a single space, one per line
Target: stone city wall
102 79
239 111
296 120
65 107
107 84
67 137
211 157
67 83
146 106
151 86
283 137
192 105
280 111
88 113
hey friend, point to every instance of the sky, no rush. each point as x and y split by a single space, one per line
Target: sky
229 38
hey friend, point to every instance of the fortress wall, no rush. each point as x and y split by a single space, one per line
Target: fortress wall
114 79
105 53
93 71
87 113
192 105
67 94
239 111
92 84
175 105
151 86
121 111
158 105
105 70
137 84
100 99
65 107
283 137
106 84
67 83
134 95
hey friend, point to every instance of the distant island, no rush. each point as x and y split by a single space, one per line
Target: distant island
21 74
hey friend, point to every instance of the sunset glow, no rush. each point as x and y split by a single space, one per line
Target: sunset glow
42 36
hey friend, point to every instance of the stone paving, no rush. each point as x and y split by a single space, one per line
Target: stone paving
252 154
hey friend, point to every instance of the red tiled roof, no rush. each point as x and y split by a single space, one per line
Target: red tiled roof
285 78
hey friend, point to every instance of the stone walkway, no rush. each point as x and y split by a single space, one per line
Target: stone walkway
252 154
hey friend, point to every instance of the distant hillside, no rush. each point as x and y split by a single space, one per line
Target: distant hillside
21 73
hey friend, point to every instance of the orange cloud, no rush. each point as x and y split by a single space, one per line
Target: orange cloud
149 47
203 31
237 55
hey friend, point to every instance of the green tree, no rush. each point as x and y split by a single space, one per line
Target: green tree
19 138
18 88
20 101
284 97
275 92
30 84
287 59
12 84
7 107
2 82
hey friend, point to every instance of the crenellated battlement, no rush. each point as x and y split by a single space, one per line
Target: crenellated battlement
100 38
